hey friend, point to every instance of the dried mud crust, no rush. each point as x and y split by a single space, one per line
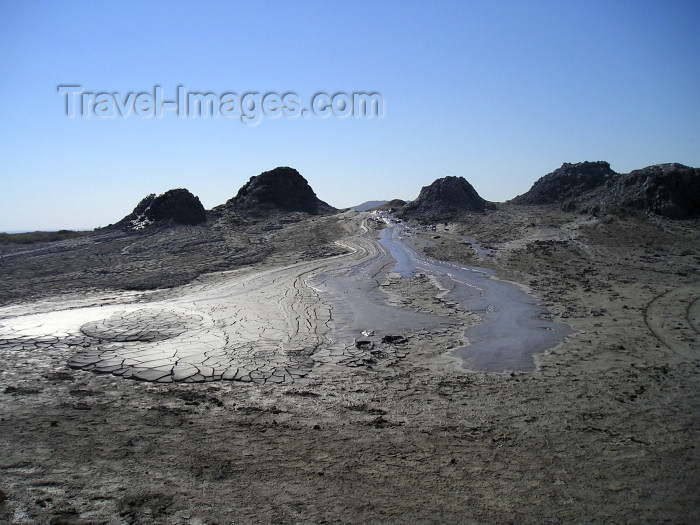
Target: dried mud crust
605 431
251 325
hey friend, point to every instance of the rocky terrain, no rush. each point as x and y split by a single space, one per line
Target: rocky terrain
670 190
567 183
385 430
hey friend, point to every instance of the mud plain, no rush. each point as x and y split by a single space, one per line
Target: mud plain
604 430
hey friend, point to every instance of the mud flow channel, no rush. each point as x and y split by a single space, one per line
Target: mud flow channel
513 326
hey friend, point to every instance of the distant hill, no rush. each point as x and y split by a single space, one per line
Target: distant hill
40 236
177 206
281 190
366 206
671 190
446 198
393 204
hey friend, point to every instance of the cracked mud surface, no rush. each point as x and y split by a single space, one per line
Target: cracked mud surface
605 430
275 325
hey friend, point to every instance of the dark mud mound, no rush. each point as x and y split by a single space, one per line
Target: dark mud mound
671 190
446 198
280 190
569 182
174 206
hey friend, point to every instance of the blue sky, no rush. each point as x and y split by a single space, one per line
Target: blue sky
500 93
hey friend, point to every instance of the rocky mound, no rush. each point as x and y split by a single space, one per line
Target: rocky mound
445 198
566 183
671 190
280 190
174 206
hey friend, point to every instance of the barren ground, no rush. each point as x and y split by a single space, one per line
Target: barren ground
606 430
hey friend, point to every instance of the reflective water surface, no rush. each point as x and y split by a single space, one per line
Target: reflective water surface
512 329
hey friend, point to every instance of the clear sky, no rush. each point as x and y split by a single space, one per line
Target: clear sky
499 92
